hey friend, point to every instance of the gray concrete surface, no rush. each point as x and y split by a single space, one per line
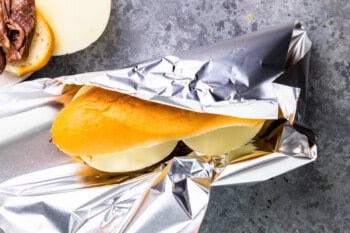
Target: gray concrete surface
314 198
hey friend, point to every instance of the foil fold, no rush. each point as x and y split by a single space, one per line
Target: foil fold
259 75
209 79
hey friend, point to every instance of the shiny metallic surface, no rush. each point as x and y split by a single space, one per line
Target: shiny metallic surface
46 191
236 72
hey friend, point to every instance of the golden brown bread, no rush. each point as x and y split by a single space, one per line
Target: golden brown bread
102 121
115 132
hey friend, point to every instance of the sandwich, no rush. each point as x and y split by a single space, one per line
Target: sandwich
116 132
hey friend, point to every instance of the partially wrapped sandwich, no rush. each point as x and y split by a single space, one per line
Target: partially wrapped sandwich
115 132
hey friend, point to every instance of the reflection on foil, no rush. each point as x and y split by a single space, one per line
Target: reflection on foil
294 143
260 75
173 199
232 77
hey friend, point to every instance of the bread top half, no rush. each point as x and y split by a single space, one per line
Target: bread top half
102 121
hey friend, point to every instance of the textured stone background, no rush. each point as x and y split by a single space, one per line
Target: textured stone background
314 198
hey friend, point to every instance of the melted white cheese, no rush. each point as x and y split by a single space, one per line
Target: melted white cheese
132 159
222 140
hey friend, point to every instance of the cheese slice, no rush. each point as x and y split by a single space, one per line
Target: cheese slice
222 140
76 23
130 160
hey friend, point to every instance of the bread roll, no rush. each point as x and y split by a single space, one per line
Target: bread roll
101 122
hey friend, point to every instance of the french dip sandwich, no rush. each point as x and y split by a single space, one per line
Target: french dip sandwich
115 132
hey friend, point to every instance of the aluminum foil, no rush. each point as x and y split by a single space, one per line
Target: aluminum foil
260 75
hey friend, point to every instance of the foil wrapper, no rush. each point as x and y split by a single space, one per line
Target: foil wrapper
259 75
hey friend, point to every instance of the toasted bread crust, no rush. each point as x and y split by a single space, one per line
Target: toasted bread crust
101 121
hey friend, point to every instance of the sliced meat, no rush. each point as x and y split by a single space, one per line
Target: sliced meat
2 60
21 23
23 13
17 38
4 40
20 28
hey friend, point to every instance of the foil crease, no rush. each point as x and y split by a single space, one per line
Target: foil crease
232 77
260 75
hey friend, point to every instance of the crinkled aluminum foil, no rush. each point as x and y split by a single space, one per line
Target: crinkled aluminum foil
260 75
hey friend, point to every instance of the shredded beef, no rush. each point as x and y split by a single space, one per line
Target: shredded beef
17 21
2 60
